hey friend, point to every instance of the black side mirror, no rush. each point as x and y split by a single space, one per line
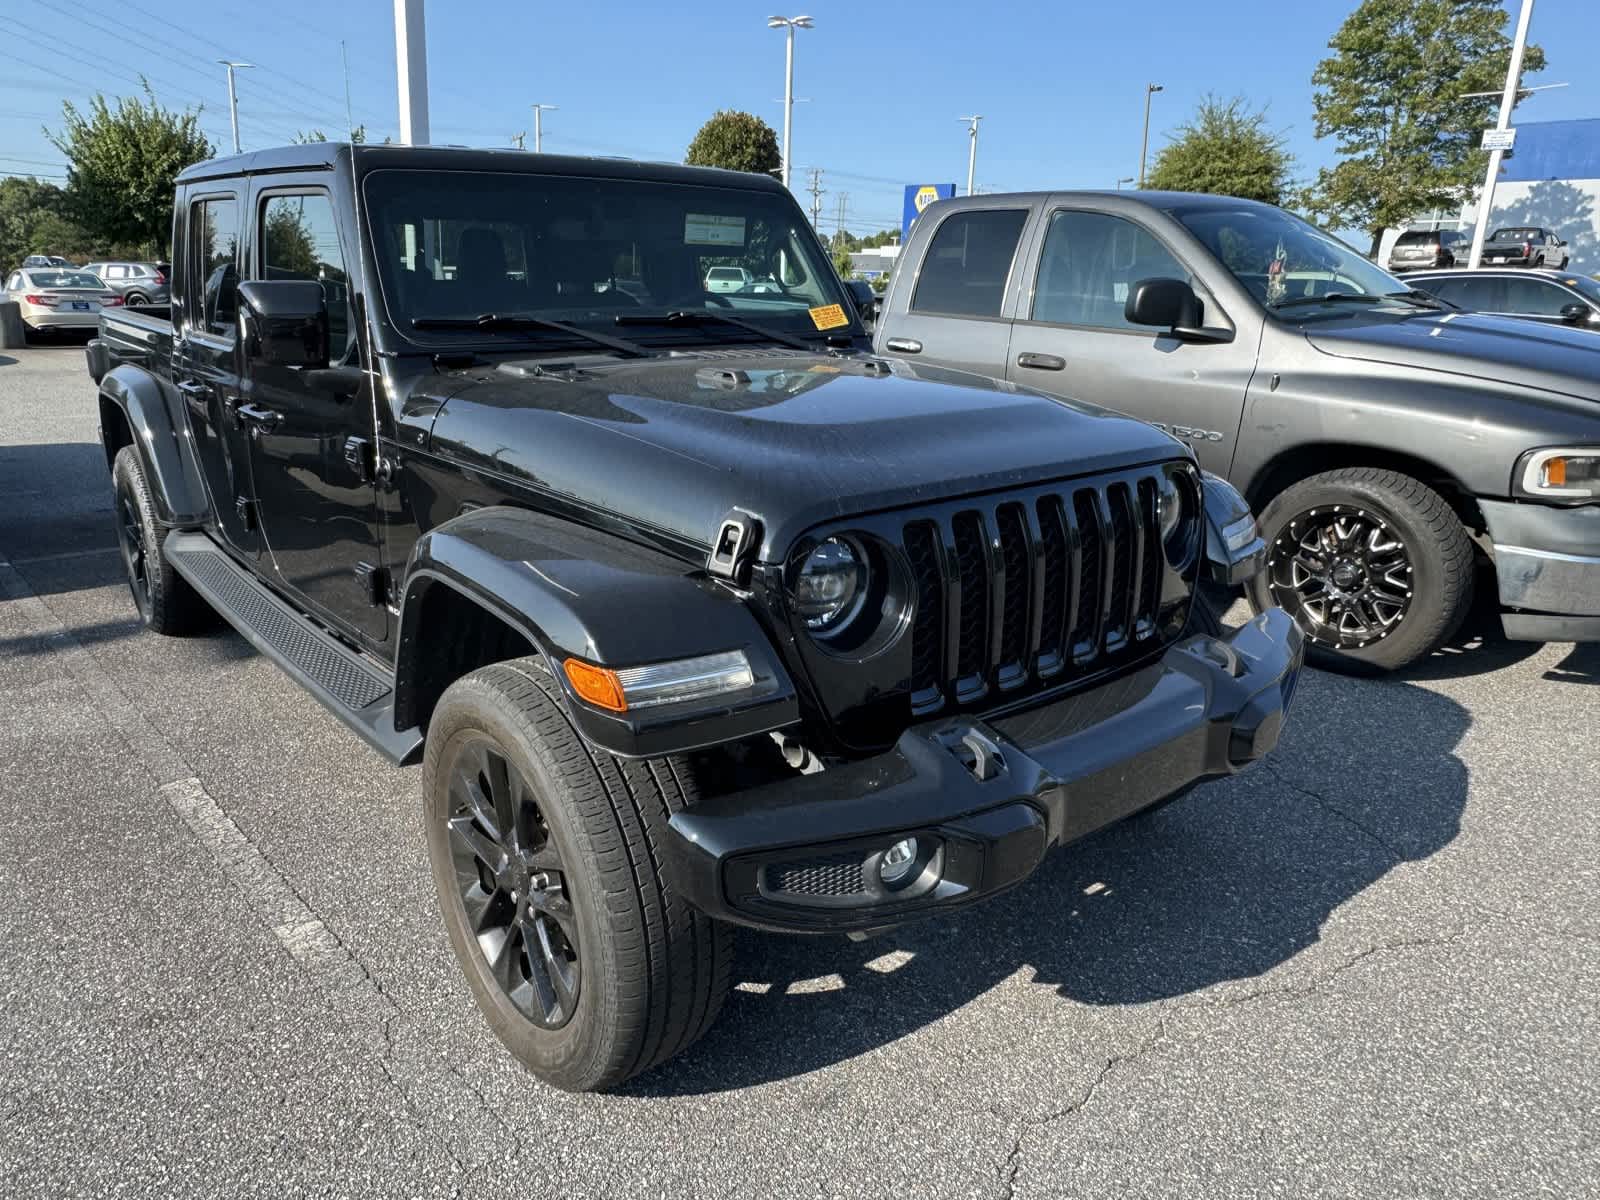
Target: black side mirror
1170 304
286 322
1575 313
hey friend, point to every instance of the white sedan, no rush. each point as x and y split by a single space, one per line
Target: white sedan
53 298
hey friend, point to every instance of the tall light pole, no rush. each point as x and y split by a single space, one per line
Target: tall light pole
788 25
972 148
1123 180
1508 101
1150 89
411 71
233 96
539 111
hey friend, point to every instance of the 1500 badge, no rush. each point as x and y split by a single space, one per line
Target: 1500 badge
1189 431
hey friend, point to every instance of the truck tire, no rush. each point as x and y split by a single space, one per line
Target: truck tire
166 602
546 854
1374 566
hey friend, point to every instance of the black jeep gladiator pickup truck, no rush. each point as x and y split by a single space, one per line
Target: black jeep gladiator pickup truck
695 612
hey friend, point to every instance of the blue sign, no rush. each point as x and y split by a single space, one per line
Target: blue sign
918 197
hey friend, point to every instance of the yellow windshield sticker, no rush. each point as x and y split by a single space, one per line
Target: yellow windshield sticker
829 316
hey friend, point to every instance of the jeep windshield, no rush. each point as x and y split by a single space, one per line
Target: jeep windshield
1285 262
569 254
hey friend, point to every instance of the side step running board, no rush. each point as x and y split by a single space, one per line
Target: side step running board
356 691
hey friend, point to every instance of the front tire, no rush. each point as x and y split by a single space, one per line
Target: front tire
164 599
546 857
1374 566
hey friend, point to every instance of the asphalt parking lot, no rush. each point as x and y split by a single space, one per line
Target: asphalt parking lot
1368 968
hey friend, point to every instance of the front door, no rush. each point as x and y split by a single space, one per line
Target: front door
1071 337
206 363
312 454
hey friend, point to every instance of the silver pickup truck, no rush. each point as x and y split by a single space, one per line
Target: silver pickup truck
1392 443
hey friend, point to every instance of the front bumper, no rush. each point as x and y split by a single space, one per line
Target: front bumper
1547 561
985 800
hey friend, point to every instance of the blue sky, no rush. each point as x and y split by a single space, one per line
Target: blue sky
1059 82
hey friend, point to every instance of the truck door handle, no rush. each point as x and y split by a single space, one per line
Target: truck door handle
1042 362
190 387
260 420
904 345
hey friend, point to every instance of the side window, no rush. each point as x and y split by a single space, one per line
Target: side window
1090 262
1482 295
1453 290
15 282
299 240
213 263
1535 297
968 263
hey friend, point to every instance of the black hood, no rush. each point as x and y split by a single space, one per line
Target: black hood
673 443
1551 358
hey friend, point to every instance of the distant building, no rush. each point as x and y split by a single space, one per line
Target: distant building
869 264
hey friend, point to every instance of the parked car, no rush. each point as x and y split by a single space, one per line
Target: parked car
135 282
1388 441
54 300
696 613
866 299
728 279
44 260
1418 249
1524 246
1553 297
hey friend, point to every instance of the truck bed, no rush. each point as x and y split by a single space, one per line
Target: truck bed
141 335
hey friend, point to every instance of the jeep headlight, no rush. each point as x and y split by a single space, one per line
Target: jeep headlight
1565 473
1175 510
830 586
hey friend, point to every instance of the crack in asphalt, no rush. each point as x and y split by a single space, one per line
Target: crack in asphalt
1336 811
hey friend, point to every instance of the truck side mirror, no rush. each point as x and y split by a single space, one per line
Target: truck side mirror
1575 313
286 322
1170 304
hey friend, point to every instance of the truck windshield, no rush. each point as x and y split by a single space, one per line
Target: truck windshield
1281 260
456 247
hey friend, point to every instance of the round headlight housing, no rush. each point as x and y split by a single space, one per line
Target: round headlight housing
1175 513
831 586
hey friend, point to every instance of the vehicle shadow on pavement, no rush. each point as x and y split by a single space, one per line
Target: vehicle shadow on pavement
1479 645
1226 884
1581 665
7 361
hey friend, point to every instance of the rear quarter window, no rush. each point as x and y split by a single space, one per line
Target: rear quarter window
968 263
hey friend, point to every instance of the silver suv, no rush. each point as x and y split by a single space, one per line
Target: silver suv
135 282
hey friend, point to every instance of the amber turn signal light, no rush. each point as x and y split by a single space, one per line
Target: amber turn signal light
596 685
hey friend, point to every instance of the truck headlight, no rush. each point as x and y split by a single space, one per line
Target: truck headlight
1565 473
830 586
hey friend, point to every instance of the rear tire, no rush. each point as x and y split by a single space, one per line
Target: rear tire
165 601
588 915
136 298
1374 565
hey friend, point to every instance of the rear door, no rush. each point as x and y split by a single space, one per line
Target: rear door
1071 337
957 313
311 432
206 360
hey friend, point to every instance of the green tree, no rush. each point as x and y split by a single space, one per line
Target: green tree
736 141
1393 95
122 165
33 220
1226 149
358 136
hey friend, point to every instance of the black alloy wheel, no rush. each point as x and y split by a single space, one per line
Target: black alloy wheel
135 553
512 884
1344 573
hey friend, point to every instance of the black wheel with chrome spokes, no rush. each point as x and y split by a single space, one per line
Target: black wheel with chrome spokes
1343 573
512 885
1375 566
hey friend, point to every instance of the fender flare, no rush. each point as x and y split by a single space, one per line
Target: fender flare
160 436
574 592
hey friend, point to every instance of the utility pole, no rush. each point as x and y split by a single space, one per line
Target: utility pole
1508 101
233 96
838 233
349 122
816 189
972 149
538 124
788 25
519 139
1150 89
411 70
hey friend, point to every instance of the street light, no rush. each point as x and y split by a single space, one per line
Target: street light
233 97
972 149
1150 89
1507 102
1123 180
789 25
538 124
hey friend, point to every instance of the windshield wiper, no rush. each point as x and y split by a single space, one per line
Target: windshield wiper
1330 298
689 317
1421 299
494 322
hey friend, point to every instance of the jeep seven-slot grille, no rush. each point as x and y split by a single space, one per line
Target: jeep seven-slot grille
1028 589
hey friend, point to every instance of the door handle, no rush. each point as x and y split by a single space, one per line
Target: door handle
260 420
903 345
1041 362
190 387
